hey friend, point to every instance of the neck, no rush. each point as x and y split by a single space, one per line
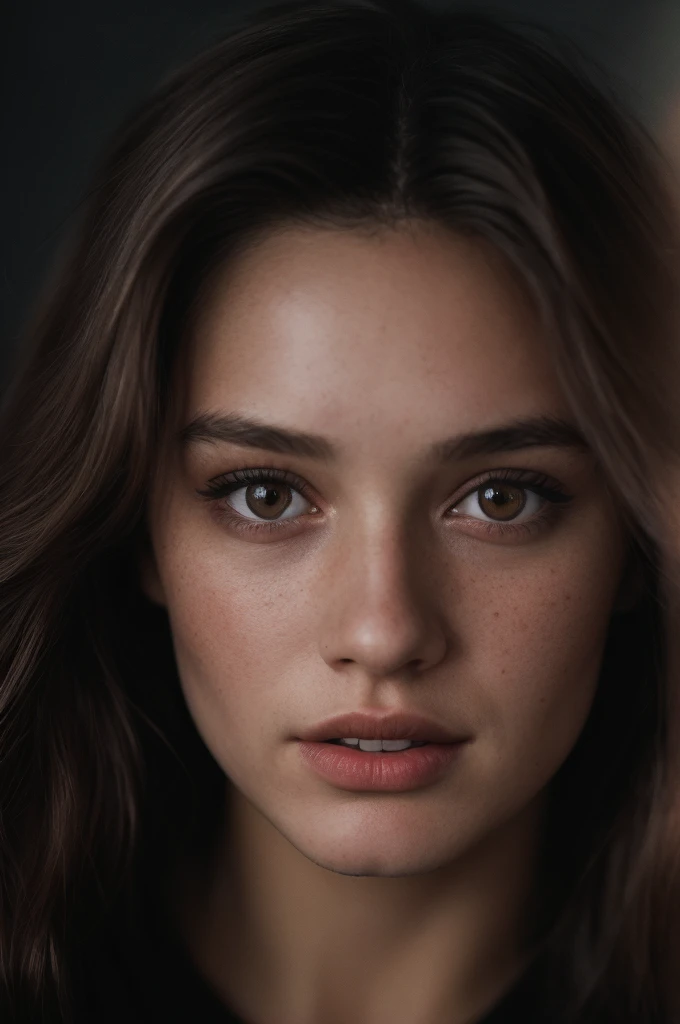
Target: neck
282 939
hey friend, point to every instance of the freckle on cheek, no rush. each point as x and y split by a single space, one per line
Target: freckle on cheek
495 615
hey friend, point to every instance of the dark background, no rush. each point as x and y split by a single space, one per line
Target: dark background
73 69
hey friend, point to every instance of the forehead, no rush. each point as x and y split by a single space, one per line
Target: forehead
418 325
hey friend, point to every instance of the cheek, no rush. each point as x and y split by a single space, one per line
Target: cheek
534 642
527 627
241 632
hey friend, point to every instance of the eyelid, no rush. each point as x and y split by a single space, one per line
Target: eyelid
556 500
254 474
529 479
226 483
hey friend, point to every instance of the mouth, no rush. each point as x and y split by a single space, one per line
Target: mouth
379 731
380 765
374 746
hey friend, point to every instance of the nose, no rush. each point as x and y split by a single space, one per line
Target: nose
381 614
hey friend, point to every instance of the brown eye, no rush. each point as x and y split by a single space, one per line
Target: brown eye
268 500
259 495
501 502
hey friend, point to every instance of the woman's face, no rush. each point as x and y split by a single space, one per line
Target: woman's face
442 546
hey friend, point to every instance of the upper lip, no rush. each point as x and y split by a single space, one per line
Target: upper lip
394 725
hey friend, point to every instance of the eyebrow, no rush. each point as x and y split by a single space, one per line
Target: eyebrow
246 432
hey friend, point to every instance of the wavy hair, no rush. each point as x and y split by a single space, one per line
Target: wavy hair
334 114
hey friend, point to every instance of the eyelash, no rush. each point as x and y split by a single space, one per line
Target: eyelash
223 486
540 484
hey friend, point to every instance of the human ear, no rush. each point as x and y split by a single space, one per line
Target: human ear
149 577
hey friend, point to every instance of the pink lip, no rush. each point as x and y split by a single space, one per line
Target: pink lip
397 771
367 725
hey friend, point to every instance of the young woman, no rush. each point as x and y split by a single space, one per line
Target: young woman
335 641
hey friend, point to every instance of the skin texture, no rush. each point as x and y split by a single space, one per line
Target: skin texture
384 343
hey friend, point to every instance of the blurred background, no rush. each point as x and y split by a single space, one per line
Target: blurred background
73 69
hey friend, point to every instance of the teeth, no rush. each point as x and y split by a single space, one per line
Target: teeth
373 746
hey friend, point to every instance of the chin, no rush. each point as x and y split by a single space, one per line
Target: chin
370 859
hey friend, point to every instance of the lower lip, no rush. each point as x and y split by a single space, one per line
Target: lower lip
394 772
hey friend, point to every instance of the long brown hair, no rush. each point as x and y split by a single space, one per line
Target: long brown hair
333 114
